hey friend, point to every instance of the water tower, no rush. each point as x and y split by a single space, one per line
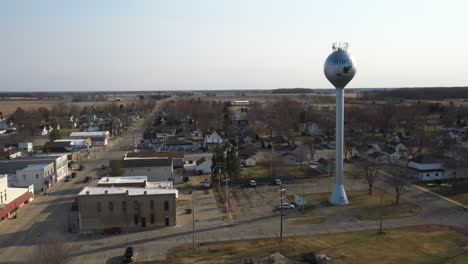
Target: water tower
339 69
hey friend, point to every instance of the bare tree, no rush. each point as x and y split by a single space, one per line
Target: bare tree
370 174
400 184
53 250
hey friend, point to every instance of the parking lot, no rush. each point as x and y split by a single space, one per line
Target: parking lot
249 203
262 201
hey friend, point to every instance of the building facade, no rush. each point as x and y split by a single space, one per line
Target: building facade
12 198
39 175
102 208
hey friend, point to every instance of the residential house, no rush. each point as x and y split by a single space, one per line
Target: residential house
250 161
289 158
180 145
203 166
212 140
427 171
312 129
10 154
26 147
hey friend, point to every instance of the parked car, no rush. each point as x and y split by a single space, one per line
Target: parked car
287 206
278 182
75 206
188 211
253 183
103 166
129 255
87 179
67 178
112 231
206 184
81 167
73 175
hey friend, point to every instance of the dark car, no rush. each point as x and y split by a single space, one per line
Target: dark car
73 175
67 178
129 255
81 167
75 206
112 231
87 179
188 211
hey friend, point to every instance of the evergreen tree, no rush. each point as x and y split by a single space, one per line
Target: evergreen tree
116 168
233 163
54 135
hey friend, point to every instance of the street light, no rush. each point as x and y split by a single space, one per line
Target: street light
227 199
281 190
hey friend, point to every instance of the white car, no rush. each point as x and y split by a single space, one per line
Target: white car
253 183
287 206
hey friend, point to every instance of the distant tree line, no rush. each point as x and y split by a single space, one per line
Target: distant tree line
436 93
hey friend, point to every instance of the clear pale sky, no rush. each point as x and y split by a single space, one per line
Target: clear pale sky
220 44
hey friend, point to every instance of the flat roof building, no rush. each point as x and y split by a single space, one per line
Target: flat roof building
133 181
102 208
98 138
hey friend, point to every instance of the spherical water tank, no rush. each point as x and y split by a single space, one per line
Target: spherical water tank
339 68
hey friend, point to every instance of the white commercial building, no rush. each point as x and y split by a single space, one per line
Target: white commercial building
98 138
39 175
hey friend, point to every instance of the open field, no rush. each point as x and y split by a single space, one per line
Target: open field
364 206
459 194
425 244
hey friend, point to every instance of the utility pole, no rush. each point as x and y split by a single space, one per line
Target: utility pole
227 199
193 225
193 220
381 212
281 190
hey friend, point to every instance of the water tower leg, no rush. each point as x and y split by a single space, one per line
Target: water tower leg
338 196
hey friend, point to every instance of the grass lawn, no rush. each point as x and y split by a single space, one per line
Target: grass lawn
263 169
459 194
428 244
367 207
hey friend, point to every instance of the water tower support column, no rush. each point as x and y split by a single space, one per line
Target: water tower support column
339 194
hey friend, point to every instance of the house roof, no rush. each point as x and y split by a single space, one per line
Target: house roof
135 163
33 167
58 144
89 134
179 142
9 152
11 166
200 161
426 166
151 154
284 147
